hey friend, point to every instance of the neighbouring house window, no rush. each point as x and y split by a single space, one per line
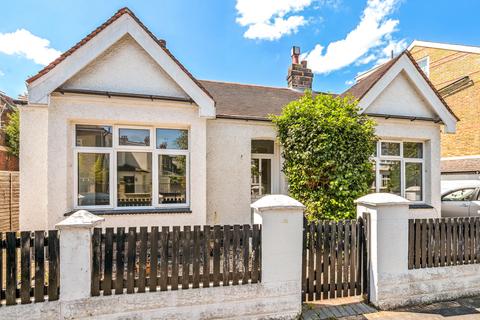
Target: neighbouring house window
261 168
399 167
150 166
424 64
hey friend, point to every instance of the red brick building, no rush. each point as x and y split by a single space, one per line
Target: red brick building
8 162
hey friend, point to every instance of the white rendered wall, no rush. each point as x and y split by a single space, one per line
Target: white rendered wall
229 168
65 111
33 164
401 98
125 67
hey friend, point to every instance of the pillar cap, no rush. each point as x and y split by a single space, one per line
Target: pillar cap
80 219
382 199
277 202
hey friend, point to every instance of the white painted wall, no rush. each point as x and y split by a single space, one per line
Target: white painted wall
401 98
33 164
229 168
55 179
116 71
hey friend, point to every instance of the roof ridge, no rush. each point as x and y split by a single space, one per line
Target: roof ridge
258 86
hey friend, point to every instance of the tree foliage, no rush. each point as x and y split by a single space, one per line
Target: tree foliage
12 133
326 144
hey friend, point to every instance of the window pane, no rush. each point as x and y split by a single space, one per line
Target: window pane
266 176
413 181
93 179
134 179
172 179
413 150
390 180
93 136
172 139
255 182
460 195
390 148
262 146
134 137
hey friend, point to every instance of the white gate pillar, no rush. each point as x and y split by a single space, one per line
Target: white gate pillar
76 255
388 242
282 227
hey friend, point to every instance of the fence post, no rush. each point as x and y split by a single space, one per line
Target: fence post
282 234
76 254
387 243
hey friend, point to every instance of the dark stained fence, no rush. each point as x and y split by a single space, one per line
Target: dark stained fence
443 242
29 267
139 260
334 259
9 200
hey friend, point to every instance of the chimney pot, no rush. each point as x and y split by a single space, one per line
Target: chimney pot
295 54
299 76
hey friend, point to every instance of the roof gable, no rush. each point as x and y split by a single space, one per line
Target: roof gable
110 73
401 98
83 53
369 88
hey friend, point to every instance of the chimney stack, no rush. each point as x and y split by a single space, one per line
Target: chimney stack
299 76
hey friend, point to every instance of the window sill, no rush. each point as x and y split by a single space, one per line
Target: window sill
115 212
420 206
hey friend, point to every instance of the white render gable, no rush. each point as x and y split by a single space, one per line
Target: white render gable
127 68
40 89
422 89
401 98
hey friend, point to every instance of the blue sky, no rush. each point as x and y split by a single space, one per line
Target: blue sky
246 41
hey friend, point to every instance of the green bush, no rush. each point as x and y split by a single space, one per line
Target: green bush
12 132
326 144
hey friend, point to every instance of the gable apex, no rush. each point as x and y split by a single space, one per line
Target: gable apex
92 46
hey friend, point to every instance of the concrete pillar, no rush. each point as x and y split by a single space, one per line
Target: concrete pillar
388 243
76 254
282 227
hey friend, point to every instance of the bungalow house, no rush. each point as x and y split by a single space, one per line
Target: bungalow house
116 125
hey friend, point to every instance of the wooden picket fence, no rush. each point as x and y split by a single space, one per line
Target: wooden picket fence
334 259
172 258
443 242
29 267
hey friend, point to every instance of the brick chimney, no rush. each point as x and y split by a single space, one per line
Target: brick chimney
299 76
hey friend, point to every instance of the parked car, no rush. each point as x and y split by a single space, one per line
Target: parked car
461 198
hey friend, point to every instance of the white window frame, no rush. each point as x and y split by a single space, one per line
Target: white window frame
427 72
113 153
403 161
273 165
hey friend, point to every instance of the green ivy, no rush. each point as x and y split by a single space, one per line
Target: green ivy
327 144
12 133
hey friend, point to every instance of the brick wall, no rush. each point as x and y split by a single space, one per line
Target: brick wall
446 66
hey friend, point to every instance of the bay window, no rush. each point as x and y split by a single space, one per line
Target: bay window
150 167
399 168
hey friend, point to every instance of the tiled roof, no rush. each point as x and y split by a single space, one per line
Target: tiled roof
362 87
460 165
116 16
247 101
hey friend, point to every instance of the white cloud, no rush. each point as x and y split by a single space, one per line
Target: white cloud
270 19
394 47
1 73
371 32
23 42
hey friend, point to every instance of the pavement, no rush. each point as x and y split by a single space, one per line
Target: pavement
353 308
